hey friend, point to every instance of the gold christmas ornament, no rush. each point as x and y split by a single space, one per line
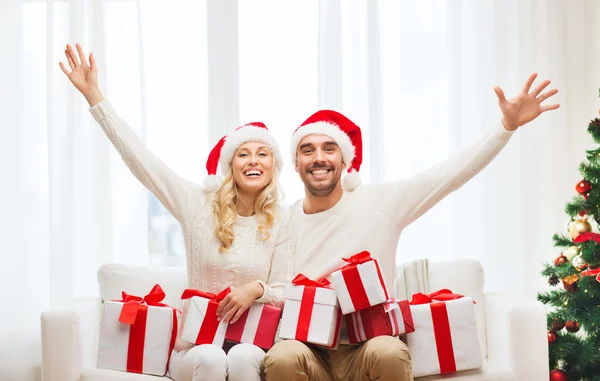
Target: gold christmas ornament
571 252
579 226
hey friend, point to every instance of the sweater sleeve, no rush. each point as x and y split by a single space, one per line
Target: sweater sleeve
405 201
181 197
282 263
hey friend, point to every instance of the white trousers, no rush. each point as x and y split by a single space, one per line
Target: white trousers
209 362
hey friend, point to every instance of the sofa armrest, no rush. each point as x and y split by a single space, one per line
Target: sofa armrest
517 336
70 340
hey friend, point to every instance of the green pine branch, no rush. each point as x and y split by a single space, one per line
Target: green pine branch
575 206
590 251
593 155
561 240
590 172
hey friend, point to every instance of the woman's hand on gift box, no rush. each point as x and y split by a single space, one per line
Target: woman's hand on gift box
238 301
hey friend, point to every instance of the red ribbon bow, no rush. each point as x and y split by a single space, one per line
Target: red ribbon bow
440 296
591 272
584 237
188 293
301 280
595 272
133 303
357 259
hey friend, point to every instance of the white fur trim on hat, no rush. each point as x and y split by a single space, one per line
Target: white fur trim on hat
351 181
245 134
211 183
324 128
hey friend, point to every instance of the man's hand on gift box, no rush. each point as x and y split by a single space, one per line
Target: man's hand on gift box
238 301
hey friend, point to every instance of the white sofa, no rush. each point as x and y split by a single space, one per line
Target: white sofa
512 330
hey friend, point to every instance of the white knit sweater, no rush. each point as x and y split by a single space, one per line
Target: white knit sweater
372 217
249 258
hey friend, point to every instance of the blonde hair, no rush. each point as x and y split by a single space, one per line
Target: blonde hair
224 202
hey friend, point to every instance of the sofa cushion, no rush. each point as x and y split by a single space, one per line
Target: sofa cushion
139 280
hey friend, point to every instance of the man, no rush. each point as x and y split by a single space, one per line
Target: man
335 221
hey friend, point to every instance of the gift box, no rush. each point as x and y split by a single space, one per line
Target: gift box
392 318
311 313
257 325
445 338
201 325
137 334
359 284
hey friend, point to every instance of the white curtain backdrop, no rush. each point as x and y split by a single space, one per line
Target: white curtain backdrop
67 203
416 75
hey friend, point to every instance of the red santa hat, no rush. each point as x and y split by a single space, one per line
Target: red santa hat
222 153
345 133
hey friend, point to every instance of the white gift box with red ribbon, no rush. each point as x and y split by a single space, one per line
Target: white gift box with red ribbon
445 338
137 334
392 318
257 325
201 325
360 283
311 313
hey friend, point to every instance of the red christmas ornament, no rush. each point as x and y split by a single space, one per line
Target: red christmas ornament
572 326
551 337
583 188
560 260
558 324
558 375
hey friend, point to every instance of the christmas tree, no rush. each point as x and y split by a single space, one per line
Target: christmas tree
574 322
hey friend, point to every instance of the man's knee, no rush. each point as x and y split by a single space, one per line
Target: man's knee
286 354
388 350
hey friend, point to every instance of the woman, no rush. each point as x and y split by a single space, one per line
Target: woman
235 232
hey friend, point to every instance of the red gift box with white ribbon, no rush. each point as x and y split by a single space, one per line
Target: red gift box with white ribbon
137 334
257 325
392 318
360 283
445 338
201 325
311 313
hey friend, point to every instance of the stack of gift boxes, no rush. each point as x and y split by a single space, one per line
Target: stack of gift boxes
138 334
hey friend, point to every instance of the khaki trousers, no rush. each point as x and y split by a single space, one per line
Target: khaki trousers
383 358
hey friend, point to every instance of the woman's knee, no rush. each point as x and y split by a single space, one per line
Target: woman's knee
208 357
245 354
203 362
245 362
